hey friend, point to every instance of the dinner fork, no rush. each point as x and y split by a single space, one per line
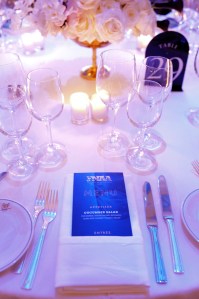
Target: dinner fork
195 165
49 215
38 207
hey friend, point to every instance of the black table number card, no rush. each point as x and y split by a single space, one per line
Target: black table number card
172 45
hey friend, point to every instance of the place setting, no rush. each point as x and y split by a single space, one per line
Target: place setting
107 220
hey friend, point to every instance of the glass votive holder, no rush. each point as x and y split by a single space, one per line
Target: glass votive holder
143 41
99 110
32 41
80 108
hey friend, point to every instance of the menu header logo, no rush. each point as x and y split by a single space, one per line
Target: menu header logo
98 178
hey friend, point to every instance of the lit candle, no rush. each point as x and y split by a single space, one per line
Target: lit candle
32 41
27 43
79 102
38 40
98 109
143 40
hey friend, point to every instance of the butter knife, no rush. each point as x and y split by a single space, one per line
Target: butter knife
169 219
152 226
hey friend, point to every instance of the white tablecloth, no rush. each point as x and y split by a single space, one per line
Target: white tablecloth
182 143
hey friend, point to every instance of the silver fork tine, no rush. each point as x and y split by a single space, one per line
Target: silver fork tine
48 216
40 199
195 165
41 196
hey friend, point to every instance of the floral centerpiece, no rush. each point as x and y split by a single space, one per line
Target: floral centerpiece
88 21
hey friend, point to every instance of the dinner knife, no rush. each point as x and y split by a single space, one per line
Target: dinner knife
152 226
169 219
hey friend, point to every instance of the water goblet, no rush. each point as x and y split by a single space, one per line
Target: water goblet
4 16
15 121
13 77
45 102
144 109
114 81
193 114
158 69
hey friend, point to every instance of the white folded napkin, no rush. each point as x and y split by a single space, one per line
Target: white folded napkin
100 264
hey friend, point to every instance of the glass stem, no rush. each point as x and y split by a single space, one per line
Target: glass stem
48 127
18 142
113 133
141 139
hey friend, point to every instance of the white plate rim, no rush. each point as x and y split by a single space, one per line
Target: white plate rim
184 215
29 239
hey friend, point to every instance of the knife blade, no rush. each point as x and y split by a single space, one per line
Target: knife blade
169 219
152 226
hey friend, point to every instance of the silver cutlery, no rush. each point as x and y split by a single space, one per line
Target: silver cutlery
169 219
3 174
152 226
49 215
38 207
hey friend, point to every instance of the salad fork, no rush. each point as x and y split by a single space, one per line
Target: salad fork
195 165
38 207
48 216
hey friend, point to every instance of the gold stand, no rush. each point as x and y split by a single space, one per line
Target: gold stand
89 72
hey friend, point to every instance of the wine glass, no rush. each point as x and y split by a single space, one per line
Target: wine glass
158 69
196 62
3 19
13 75
114 81
144 109
193 114
190 23
15 121
45 102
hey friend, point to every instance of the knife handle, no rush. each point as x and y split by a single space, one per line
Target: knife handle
177 262
158 260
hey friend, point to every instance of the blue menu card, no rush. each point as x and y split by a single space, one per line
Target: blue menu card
100 205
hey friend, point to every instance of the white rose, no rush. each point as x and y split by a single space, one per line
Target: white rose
111 4
87 4
145 25
81 25
110 25
140 17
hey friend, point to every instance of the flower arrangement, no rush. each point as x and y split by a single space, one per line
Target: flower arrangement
88 20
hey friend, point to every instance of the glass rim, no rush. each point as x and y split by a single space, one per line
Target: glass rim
158 56
53 74
128 51
14 57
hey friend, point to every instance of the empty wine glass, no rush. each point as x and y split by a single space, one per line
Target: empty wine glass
13 76
193 114
45 102
3 18
190 23
144 109
15 121
196 62
114 81
158 69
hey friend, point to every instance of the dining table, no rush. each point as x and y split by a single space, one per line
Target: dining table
83 156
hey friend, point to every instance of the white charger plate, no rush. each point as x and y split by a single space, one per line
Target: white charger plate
16 232
190 213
